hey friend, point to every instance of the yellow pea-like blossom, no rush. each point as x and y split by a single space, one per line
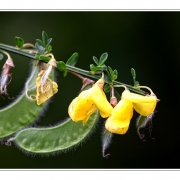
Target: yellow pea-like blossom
122 113
88 101
120 118
82 107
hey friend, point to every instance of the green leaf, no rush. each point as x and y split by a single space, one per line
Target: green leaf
114 77
133 72
48 49
21 112
37 56
107 88
44 38
117 95
136 83
65 72
72 60
107 77
93 67
113 74
48 41
102 68
95 60
64 136
1 56
103 58
19 42
61 65
44 58
110 70
106 141
40 42
39 48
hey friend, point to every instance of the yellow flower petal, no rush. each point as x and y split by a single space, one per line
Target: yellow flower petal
144 105
145 109
119 121
82 107
88 101
49 89
137 98
100 100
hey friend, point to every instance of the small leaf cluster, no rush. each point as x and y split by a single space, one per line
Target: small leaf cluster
43 47
19 42
100 66
109 74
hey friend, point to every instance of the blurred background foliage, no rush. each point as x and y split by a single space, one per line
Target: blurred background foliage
149 42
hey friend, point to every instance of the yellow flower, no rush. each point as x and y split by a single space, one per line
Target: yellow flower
119 121
82 107
144 105
46 88
88 101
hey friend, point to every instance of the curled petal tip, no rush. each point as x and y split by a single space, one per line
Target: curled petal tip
10 62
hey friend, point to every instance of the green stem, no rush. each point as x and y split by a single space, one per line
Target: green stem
71 68
15 50
81 71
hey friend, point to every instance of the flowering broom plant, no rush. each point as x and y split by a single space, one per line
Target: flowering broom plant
85 110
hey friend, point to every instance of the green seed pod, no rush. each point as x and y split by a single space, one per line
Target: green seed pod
54 139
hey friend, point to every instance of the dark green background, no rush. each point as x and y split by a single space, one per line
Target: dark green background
147 41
